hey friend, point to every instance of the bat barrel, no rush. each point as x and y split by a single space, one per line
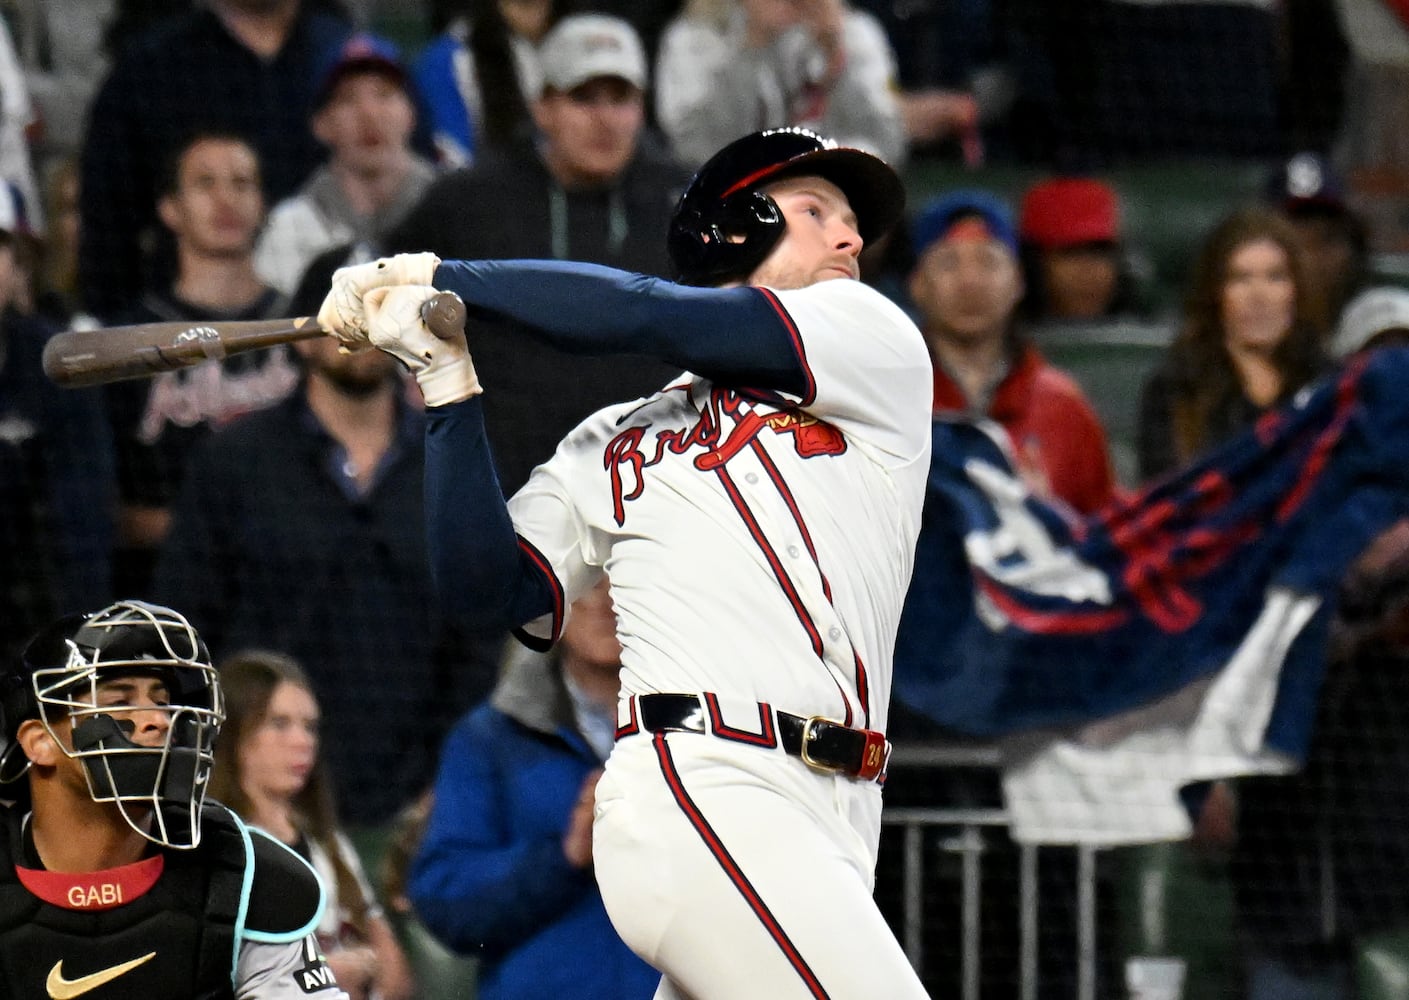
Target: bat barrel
80 358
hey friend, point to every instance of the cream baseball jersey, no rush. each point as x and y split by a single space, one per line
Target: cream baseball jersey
759 545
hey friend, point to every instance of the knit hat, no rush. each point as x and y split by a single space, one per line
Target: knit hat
943 216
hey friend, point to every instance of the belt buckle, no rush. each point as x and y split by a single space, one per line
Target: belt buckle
807 737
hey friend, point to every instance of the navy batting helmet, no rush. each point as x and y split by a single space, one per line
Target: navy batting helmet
724 226
158 789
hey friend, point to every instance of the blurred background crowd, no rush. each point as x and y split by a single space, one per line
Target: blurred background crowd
1135 227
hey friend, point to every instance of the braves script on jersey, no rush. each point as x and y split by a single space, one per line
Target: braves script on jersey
757 547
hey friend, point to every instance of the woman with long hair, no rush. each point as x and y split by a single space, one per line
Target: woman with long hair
268 770
1253 335
480 74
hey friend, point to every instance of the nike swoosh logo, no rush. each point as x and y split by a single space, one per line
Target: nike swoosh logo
66 989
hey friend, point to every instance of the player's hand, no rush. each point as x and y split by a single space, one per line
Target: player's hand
343 312
443 368
577 841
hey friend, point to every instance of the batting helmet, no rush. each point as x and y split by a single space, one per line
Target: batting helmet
724 227
158 789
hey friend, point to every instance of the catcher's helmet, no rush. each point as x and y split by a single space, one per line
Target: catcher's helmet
157 789
724 227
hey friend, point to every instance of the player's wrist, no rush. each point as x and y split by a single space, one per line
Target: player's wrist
450 381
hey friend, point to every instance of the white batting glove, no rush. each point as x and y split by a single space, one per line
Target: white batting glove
343 314
443 368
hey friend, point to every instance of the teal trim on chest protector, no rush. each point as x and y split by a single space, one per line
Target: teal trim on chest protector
267 937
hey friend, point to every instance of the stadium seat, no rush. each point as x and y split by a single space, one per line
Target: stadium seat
440 973
1382 966
1175 903
1110 361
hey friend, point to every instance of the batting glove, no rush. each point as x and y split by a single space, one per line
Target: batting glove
443 368
343 313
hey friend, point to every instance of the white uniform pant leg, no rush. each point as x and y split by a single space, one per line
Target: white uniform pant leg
740 873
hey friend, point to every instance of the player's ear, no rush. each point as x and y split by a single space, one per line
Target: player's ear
38 743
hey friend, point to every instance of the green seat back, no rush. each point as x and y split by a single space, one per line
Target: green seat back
1382 966
1175 902
440 973
1111 362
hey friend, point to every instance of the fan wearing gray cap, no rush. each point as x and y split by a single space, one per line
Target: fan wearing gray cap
758 515
588 186
1378 317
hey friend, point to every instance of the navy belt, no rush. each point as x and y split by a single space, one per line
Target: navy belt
822 744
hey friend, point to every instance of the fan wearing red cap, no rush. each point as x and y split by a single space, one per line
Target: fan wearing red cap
966 286
1071 243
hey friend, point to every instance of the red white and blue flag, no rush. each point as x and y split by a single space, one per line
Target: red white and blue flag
1177 636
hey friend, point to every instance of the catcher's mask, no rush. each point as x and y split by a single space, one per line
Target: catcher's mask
158 789
724 227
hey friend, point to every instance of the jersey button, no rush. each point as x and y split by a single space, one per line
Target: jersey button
834 633
751 478
794 551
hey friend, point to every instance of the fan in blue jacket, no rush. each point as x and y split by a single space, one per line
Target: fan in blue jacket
504 870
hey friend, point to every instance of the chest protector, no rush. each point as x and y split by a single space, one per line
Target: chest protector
174 942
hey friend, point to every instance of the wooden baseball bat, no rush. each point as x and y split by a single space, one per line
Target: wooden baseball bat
79 358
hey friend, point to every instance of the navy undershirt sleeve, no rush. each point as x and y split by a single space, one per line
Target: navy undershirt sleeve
734 336
484 580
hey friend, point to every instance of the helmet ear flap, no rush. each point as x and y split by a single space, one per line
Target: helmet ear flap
725 241
750 213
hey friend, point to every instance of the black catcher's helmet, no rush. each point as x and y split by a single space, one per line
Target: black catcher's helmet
724 226
157 789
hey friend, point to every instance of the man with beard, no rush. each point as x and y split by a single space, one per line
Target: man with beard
212 205
300 529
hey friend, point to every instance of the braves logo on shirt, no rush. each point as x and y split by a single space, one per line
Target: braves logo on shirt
811 438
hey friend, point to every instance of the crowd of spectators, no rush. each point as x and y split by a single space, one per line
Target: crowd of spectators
217 159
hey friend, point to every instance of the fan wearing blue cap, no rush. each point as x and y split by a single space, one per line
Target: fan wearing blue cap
364 115
966 286
1335 240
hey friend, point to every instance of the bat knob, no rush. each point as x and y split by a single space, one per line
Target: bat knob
444 315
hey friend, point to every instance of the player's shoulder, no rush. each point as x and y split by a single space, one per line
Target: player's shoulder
286 899
283 897
854 313
851 297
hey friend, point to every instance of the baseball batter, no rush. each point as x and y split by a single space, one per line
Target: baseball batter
756 517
